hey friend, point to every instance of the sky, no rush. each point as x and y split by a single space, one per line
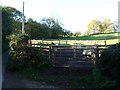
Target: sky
74 14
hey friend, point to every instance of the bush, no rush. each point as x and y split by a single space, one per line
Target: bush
14 65
22 56
100 81
110 63
35 60
38 59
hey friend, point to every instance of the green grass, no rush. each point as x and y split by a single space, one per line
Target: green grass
106 36
111 38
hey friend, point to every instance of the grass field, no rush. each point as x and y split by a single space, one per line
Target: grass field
110 38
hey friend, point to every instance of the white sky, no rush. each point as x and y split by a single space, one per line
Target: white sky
75 14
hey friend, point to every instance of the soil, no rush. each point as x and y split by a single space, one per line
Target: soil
13 80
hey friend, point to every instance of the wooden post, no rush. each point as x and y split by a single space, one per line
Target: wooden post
50 54
74 53
66 41
42 41
59 41
97 57
95 43
53 55
105 43
75 42
34 44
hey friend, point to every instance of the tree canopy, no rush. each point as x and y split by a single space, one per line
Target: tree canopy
97 26
47 27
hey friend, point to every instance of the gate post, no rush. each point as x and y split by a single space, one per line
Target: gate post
59 41
97 57
66 41
50 55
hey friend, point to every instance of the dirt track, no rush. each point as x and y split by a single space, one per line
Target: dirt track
12 80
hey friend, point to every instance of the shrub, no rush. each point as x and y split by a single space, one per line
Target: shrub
110 63
22 56
100 81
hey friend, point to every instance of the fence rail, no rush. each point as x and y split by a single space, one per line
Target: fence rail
71 42
72 55
78 54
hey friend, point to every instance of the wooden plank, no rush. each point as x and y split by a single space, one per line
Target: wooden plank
64 55
71 59
74 55
63 58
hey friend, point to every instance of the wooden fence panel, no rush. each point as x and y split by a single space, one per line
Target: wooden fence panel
72 54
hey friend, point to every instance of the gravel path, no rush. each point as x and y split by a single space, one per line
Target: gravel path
12 80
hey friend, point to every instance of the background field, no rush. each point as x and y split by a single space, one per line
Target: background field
100 39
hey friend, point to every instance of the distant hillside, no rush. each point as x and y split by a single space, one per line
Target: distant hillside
106 36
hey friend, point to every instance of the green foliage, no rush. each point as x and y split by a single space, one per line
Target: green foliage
6 28
93 27
22 56
102 82
77 34
47 28
54 27
96 80
97 26
33 29
11 23
67 33
11 19
110 62
106 36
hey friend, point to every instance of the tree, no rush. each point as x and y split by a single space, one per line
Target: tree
37 30
30 20
6 27
45 31
77 34
33 28
11 23
104 26
67 33
16 18
54 27
93 27
115 26
15 14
